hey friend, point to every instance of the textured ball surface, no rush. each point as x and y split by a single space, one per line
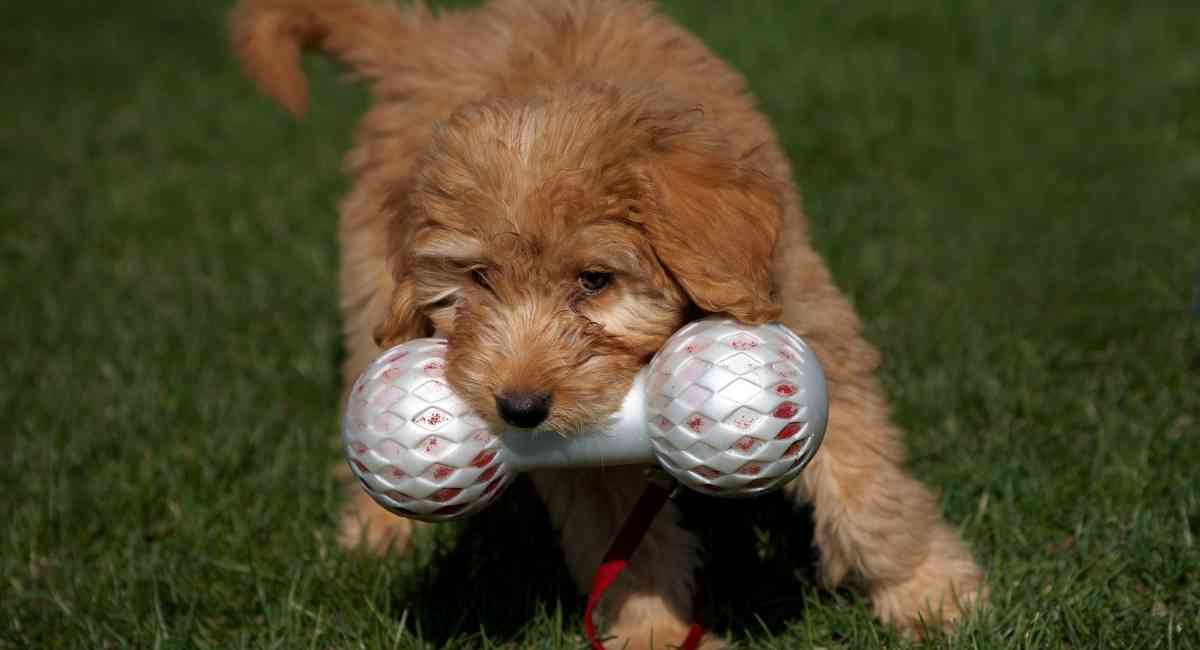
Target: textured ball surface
735 410
416 447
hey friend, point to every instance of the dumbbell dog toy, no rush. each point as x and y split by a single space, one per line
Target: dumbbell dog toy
727 409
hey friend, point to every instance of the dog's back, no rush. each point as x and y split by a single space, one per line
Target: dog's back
423 66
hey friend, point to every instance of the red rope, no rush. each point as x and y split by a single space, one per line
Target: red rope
623 546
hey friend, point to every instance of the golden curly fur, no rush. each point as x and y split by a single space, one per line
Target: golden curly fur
511 150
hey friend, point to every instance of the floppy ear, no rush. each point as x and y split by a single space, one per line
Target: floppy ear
712 218
397 317
394 312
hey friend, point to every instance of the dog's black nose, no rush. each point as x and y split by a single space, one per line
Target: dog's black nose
526 410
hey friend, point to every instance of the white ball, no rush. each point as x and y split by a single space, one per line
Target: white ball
735 410
416 447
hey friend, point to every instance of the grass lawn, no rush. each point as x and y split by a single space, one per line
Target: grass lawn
1009 191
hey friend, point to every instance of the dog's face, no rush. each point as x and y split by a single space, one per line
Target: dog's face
557 243
548 320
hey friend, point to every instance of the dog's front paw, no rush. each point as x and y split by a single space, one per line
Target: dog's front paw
946 587
364 525
646 622
659 638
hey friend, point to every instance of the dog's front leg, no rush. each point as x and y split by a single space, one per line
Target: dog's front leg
364 525
650 605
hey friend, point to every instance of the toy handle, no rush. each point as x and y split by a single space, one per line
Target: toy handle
623 440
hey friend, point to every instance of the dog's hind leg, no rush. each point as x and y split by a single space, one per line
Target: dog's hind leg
873 520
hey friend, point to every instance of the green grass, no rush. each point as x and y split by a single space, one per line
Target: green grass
1010 192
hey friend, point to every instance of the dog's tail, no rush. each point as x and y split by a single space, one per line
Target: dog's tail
268 36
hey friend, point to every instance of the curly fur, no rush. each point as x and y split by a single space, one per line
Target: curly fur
512 147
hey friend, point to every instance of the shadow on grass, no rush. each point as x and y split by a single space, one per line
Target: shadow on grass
759 559
504 565
507 565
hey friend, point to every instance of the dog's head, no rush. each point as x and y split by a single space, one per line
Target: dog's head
558 241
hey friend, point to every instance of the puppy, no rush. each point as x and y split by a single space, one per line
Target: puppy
556 186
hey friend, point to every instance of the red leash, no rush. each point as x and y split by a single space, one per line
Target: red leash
623 546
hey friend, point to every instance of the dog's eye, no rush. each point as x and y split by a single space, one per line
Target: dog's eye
479 276
593 282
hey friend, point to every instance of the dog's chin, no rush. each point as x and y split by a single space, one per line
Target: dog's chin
594 420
